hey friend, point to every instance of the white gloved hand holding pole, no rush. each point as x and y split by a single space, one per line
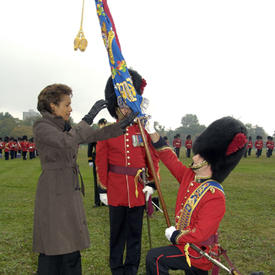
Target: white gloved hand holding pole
148 191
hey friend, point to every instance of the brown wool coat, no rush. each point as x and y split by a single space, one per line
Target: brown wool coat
60 225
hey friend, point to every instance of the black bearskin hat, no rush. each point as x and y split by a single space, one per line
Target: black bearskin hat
102 121
138 82
222 145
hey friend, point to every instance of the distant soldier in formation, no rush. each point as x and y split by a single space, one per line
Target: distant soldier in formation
259 146
249 146
15 148
177 144
91 160
269 146
19 147
24 147
7 148
12 147
2 146
31 148
188 145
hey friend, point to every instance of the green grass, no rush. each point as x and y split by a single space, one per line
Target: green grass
247 230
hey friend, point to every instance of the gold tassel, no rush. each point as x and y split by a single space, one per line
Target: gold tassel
186 247
80 42
136 181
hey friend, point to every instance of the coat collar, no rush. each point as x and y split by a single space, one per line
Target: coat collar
57 120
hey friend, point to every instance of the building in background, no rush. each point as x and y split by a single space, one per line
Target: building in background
30 114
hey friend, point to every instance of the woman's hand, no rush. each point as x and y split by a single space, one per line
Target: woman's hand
97 107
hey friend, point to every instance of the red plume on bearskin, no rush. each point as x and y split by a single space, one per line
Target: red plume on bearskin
222 145
143 85
238 142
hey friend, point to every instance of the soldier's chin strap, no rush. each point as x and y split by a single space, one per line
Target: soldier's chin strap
199 165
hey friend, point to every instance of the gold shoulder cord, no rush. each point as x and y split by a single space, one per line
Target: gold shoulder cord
80 42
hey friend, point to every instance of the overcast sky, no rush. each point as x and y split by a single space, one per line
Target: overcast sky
204 57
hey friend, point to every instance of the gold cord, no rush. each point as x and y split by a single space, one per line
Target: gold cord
80 42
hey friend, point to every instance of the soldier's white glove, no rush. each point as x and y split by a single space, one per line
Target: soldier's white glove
91 164
169 232
149 126
148 191
103 198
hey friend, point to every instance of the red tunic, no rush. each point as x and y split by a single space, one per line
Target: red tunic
7 147
250 144
176 142
259 144
206 216
2 144
188 143
24 146
123 151
31 147
270 144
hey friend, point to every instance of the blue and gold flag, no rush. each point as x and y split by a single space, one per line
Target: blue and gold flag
124 88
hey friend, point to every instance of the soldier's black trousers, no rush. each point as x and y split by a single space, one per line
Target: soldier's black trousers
159 260
67 264
125 231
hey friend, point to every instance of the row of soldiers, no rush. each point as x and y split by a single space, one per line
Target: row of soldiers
259 144
177 145
13 148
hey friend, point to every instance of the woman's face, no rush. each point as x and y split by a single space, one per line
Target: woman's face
64 108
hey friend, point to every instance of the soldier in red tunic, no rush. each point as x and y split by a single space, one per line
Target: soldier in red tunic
269 146
24 147
259 146
177 144
7 148
188 145
119 163
31 148
2 146
249 147
200 204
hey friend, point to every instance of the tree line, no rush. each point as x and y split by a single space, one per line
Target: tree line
190 126
14 127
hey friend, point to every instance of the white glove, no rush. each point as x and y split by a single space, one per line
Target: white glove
169 232
103 198
149 126
91 164
148 191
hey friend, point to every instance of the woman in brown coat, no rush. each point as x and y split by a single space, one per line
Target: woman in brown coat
60 227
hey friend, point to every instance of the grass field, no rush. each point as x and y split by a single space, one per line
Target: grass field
247 230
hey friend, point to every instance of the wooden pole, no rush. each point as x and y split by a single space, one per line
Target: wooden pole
151 165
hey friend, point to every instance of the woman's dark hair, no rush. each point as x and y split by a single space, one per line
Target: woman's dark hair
52 94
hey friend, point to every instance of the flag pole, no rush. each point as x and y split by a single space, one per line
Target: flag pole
151 166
